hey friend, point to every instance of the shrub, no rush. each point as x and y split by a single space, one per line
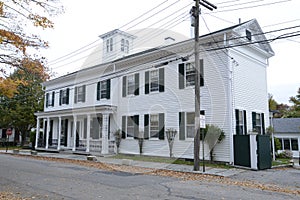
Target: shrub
286 154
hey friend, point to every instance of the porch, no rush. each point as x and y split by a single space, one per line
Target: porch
83 129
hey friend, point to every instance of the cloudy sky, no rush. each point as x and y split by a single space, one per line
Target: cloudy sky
77 31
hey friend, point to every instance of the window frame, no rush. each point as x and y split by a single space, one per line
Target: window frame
80 94
64 96
154 80
189 125
189 74
240 122
130 85
154 126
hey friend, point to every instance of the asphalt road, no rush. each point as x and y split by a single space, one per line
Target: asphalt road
56 180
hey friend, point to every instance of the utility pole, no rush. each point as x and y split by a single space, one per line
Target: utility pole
195 12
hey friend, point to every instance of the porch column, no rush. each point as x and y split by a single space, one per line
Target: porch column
37 134
105 117
74 132
88 132
48 132
59 133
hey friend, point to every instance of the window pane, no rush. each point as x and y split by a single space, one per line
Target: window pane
154 80
190 74
295 144
103 86
286 143
154 126
130 127
190 125
130 84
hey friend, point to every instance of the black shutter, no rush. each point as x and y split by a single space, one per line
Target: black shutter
84 91
53 96
181 75
124 86
263 123
161 126
60 97
147 86
108 89
68 94
201 73
47 100
146 126
123 127
136 126
253 121
161 80
181 126
75 95
137 84
98 91
237 128
245 122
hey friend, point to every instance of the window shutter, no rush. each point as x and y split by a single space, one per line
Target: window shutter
181 126
108 89
263 123
60 97
245 122
68 95
75 95
146 126
123 127
84 91
53 96
161 126
47 100
253 120
98 91
124 87
136 126
201 73
147 86
161 79
181 75
237 128
137 84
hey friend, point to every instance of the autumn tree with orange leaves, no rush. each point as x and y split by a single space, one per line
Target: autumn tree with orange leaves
18 42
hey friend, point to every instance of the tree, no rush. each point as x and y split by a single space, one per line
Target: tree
295 108
16 42
18 110
213 136
272 103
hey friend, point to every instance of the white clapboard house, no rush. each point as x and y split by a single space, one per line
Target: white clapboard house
146 93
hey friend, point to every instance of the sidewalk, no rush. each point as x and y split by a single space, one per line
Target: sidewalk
153 165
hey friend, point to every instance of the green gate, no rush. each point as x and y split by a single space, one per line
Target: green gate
242 150
264 158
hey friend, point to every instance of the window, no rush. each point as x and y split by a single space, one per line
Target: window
154 129
109 45
258 122
64 96
155 81
187 124
294 144
190 125
96 128
130 126
286 144
79 94
241 122
103 89
131 85
154 126
124 46
50 99
187 74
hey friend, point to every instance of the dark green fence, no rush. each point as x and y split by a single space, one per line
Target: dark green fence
264 158
242 150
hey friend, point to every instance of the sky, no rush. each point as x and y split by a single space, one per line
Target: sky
83 22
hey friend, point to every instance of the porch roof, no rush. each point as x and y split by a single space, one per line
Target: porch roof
77 111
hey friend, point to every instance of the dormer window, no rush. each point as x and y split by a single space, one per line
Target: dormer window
124 45
248 35
109 45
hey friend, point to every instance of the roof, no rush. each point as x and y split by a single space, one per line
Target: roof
286 125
